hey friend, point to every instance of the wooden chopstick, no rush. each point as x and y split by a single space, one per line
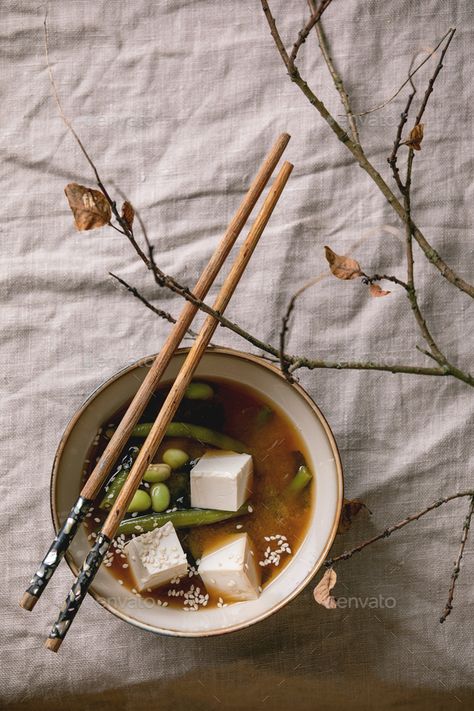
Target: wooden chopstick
147 388
166 414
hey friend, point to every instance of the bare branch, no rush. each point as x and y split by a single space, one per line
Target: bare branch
158 312
433 78
392 159
336 77
396 527
303 33
430 253
457 564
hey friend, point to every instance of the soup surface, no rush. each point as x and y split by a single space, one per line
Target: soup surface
275 520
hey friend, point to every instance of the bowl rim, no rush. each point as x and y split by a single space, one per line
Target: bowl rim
229 352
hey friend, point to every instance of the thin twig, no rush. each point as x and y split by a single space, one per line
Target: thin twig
126 229
431 82
275 34
384 277
411 291
164 280
457 564
407 80
304 33
430 253
405 188
58 100
283 331
297 361
292 363
336 77
396 527
158 312
392 159
285 321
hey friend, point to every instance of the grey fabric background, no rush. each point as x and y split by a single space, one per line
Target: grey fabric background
178 102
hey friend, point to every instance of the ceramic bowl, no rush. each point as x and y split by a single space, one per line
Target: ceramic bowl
263 377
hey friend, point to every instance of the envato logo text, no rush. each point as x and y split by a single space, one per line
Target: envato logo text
373 603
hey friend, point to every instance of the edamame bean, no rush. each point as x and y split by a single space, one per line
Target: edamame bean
141 502
157 472
199 391
175 458
160 497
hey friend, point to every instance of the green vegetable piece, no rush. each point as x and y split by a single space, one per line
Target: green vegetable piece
201 434
160 497
175 458
118 480
199 391
141 502
113 490
180 519
157 472
301 479
204 435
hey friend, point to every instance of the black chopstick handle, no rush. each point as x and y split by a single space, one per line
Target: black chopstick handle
56 552
63 539
78 591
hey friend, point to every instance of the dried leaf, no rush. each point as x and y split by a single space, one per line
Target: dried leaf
350 509
89 207
128 213
342 267
322 591
415 137
376 290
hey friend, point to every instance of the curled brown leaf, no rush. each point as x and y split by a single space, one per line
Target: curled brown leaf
350 509
341 266
128 213
376 290
322 591
415 137
89 207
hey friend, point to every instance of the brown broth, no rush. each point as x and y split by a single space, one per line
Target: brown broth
277 451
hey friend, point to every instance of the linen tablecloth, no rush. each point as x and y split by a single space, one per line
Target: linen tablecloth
177 103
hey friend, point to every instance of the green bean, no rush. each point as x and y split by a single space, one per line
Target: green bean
157 472
205 436
175 458
113 489
301 479
141 502
199 391
160 497
185 429
186 518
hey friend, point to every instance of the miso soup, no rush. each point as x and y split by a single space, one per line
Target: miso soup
217 414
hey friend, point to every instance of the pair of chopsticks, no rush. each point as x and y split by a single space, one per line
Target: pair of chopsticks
169 408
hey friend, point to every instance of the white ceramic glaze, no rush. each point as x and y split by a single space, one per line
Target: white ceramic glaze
324 462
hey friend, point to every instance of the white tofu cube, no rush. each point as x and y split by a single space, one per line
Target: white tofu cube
221 480
230 571
156 557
